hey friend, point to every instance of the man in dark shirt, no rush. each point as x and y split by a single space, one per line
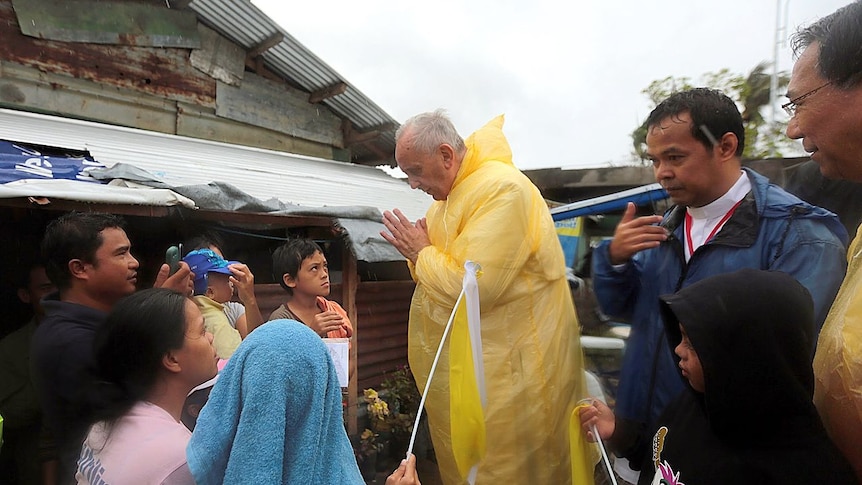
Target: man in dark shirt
88 257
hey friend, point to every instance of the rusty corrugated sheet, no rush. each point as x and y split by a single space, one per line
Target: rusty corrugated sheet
164 72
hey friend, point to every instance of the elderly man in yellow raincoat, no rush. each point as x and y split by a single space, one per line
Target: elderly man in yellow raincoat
487 211
825 92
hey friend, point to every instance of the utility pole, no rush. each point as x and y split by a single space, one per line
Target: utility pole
779 41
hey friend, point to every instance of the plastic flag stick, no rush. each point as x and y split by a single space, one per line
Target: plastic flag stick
431 374
604 454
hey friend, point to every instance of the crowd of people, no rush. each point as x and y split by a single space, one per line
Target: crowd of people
742 365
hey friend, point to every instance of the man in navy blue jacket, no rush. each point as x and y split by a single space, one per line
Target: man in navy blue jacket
725 218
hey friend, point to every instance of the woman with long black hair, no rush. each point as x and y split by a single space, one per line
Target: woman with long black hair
152 350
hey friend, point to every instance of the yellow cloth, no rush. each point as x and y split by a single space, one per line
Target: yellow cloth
838 363
532 356
465 403
225 338
582 451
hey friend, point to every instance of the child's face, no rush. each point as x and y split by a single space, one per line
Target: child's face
219 287
689 362
312 279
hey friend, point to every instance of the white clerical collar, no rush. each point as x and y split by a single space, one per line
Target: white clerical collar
722 205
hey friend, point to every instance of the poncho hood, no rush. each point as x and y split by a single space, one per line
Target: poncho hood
753 332
485 144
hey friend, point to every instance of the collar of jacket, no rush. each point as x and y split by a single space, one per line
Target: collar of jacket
742 227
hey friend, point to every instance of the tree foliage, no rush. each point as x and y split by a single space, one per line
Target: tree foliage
751 93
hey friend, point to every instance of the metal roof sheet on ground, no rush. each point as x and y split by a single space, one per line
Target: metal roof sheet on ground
244 23
263 174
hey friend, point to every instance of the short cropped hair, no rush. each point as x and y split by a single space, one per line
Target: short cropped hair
76 235
430 130
840 38
708 108
288 258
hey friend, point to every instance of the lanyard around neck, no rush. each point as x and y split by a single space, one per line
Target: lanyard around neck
689 221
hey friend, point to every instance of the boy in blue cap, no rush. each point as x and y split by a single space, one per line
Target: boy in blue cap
213 288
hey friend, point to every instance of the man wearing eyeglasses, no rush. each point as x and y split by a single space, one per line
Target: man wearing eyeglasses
825 106
725 218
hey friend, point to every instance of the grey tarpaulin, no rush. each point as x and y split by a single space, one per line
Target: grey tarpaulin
362 224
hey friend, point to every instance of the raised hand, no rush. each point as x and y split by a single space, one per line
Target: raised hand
635 234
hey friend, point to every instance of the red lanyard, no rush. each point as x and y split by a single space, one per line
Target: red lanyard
688 223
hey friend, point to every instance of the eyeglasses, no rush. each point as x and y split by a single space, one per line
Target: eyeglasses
790 106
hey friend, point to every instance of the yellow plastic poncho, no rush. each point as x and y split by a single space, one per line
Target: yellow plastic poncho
838 363
532 356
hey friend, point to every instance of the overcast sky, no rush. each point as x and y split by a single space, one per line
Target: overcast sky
568 75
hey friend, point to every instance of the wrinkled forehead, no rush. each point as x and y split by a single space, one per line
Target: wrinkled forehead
805 75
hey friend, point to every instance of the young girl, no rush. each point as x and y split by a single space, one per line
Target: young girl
304 274
151 351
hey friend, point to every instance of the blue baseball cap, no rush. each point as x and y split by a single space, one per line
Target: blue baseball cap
205 261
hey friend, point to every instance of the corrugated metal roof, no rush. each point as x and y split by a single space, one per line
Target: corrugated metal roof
248 26
261 173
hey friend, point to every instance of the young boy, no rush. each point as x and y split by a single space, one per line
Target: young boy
744 342
302 271
213 287
244 316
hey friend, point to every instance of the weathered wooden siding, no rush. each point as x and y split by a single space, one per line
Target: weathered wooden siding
382 309
164 89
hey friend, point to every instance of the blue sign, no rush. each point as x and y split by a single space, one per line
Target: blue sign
19 161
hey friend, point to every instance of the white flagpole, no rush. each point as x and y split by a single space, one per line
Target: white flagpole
431 374
604 455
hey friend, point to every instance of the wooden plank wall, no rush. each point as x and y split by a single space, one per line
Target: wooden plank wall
197 92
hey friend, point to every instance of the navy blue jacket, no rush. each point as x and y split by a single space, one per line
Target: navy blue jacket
61 356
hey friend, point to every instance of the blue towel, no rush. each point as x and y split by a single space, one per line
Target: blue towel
274 416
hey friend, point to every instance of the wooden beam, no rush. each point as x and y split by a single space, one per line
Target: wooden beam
349 286
179 4
377 151
54 204
257 66
268 43
356 137
327 92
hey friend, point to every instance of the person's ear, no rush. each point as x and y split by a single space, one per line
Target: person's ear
448 155
77 268
727 146
290 281
210 292
171 362
24 295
